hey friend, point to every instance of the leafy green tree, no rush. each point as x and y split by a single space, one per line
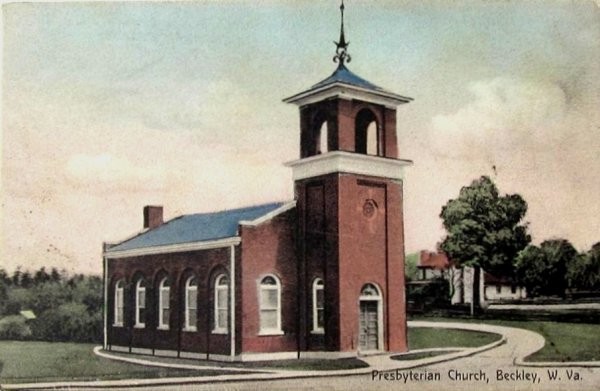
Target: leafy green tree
411 272
16 277
41 276
55 275
543 270
26 280
583 272
593 267
484 230
14 327
4 277
69 322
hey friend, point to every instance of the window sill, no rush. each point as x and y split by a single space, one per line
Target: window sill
162 328
270 332
220 331
189 329
317 331
139 326
117 324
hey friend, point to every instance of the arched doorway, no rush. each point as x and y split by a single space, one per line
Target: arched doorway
370 335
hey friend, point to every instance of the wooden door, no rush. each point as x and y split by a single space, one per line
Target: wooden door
369 326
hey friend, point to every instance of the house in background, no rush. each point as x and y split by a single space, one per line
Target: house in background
318 276
491 288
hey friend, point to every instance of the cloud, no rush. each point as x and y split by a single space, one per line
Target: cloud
505 114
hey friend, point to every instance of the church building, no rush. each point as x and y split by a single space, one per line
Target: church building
319 276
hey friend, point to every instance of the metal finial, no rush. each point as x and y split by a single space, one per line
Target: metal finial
341 53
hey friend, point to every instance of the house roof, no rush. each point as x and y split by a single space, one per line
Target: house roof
196 228
431 260
27 314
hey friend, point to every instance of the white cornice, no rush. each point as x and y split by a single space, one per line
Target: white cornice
348 162
174 248
283 208
348 92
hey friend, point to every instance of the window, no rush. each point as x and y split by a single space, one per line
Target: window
367 133
498 288
163 303
221 304
369 290
270 306
191 303
513 289
119 307
323 139
372 144
140 303
318 306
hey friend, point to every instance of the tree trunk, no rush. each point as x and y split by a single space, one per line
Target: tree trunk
475 299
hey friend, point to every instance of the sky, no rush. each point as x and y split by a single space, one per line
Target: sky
110 106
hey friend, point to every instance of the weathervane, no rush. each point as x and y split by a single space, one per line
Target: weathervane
341 54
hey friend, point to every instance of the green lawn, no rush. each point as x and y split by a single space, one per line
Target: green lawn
302 364
29 361
425 338
564 341
420 355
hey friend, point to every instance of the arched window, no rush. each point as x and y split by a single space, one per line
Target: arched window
140 303
366 132
318 306
270 306
323 140
191 303
164 293
221 304
370 291
119 303
372 143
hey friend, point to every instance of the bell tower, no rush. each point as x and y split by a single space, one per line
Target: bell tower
348 186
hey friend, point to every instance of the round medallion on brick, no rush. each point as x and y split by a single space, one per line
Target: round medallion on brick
369 208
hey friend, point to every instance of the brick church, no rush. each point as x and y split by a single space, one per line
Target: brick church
320 276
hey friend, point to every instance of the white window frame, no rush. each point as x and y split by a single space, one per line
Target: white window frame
119 304
221 288
162 325
317 285
139 289
189 291
277 287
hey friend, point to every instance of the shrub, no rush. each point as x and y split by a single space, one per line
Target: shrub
14 327
69 322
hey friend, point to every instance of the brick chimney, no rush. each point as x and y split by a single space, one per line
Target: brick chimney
153 216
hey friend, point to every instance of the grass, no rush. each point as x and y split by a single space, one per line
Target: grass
303 364
425 338
564 341
32 361
420 355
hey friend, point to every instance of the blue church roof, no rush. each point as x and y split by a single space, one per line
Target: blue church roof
344 75
196 227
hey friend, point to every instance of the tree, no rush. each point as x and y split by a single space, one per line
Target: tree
26 280
41 276
411 272
543 270
583 272
484 230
